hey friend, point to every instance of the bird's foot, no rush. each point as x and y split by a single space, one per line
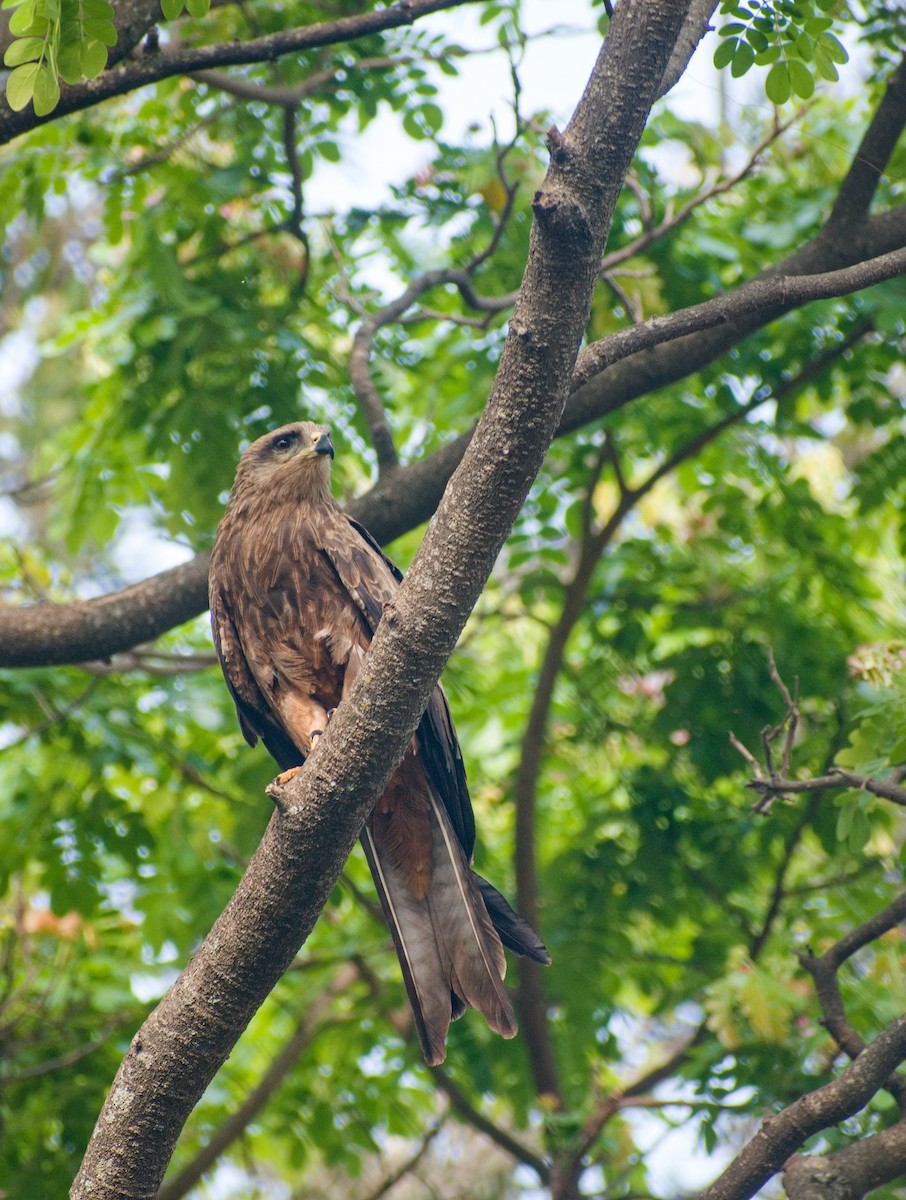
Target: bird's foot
276 787
285 776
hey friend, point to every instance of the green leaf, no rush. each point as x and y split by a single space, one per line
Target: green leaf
46 91
777 85
764 57
824 64
94 59
99 9
20 87
801 79
805 47
69 62
834 48
412 125
23 50
198 8
742 60
102 31
81 60
26 23
725 51
171 8
433 117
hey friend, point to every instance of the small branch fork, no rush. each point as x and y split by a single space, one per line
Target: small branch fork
772 784
850 1173
860 1167
363 383
823 970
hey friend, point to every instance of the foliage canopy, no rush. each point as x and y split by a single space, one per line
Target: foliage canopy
167 296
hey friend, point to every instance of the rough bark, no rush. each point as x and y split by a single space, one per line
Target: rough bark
184 1042
850 1173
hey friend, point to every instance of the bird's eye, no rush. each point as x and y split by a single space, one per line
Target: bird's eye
284 441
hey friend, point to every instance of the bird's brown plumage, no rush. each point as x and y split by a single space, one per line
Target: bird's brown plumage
297 589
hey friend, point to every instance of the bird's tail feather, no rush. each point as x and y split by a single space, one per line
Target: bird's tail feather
450 953
515 932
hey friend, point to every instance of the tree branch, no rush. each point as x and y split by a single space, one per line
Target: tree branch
773 294
186 1039
185 60
783 1134
310 1023
879 142
823 970
850 1173
47 635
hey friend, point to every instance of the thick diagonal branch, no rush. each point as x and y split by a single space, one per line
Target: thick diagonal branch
45 635
784 1134
186 1039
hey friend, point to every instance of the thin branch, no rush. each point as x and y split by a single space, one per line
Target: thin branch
770 784
673 220
68 1059
294 220
363 343
823 970
178 143
778 891
464 1108
772 294
54 717
773 787
289 96
409 1164
164 63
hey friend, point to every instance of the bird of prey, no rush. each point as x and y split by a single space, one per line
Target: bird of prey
297 588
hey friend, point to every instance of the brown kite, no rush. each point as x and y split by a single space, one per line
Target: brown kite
297 590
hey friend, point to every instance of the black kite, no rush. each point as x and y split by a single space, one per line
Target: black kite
297 589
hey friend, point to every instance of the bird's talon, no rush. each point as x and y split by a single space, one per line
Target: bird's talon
285 776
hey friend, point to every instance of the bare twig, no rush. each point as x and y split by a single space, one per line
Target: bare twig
771 784
673 220
463 1107
409 1164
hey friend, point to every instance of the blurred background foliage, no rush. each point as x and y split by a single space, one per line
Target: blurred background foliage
167 297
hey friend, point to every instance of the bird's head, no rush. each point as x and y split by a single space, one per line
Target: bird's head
295 458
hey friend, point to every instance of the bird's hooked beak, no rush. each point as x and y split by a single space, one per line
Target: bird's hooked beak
324 445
